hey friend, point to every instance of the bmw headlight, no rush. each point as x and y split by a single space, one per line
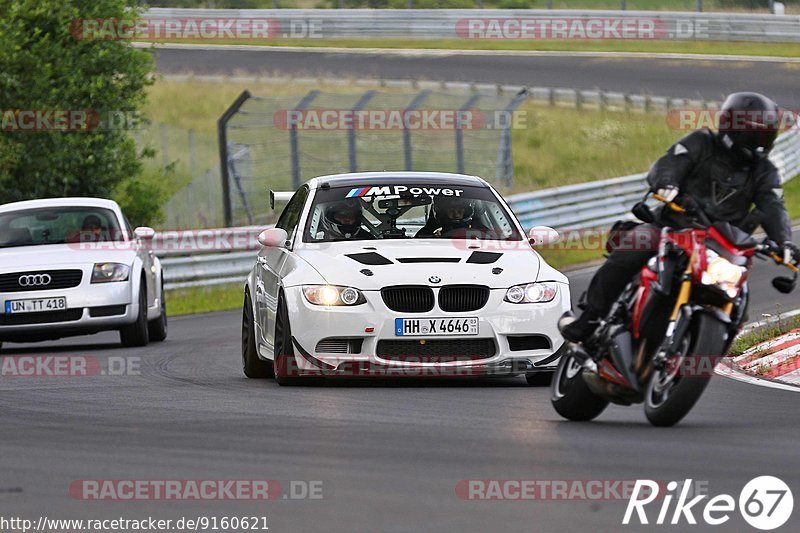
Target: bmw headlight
532 293
722 273
107 272
333 295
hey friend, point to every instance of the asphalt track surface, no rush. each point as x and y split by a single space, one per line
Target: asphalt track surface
690 78
389 453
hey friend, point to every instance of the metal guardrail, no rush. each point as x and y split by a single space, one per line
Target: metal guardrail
453 23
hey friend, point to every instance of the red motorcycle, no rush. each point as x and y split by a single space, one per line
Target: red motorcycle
663 336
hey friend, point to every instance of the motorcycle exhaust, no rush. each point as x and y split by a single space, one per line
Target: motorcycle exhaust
621 352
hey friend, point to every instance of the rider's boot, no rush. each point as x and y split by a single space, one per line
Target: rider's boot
581 328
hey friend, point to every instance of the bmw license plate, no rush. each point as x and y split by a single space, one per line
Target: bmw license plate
413 327
36 305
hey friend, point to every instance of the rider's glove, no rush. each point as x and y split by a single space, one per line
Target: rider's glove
791 253
669 193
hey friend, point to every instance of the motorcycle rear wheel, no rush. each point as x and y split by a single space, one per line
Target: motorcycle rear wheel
668 400
569 394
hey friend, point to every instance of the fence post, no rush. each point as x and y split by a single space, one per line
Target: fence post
505 166
162 131
351 131
622 5
192 155
301 105
222 141
460 132
415 103
698 6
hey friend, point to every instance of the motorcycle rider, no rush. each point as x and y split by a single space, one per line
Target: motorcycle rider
342 220
724 172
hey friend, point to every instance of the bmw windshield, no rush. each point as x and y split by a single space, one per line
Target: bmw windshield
408 211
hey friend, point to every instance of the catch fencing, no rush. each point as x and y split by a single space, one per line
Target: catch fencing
581 206
278 142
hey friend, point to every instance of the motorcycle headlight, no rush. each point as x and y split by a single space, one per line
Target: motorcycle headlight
107 272
530 293
333 295
722 273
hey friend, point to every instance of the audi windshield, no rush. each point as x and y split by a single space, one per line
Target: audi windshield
408 211
58 225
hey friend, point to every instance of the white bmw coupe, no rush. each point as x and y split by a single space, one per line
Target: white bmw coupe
400 274
72 266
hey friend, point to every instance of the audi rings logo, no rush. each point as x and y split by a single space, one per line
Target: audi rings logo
34 280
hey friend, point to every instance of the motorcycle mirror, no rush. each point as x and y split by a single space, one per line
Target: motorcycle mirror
642 211
784 285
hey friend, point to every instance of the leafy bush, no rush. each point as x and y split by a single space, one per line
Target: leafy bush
44 67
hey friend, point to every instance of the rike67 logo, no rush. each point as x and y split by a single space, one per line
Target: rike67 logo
765 503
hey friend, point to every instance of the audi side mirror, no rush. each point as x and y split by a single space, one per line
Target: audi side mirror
273 238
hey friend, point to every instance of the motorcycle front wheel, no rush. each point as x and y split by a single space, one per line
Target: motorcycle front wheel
672 391
569 394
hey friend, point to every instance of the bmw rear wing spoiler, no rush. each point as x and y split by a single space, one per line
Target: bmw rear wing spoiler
279 196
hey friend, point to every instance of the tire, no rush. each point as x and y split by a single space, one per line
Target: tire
136 334
157 328
284 365
706 338
252 365
539 379
569 394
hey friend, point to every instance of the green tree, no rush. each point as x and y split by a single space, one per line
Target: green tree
45 65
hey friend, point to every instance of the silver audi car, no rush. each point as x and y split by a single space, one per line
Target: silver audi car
72 266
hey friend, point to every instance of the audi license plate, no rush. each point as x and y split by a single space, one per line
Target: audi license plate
412 327
36 305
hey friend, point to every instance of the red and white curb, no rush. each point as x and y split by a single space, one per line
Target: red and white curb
777 359
774 363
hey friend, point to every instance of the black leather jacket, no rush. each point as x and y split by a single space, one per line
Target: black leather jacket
724 186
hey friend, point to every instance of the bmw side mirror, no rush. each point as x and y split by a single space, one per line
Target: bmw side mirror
642 211
144 233
273 238
543 235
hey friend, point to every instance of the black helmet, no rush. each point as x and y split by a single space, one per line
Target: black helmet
342 218
452 211
749 124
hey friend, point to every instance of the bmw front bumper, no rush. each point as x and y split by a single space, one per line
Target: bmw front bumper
361 340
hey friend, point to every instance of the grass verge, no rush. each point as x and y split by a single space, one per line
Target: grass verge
544 45
192 300
762 334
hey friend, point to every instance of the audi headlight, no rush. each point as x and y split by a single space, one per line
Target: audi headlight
106 272
722 273
530 293
333 295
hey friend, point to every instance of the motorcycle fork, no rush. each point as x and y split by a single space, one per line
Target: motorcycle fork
676 324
